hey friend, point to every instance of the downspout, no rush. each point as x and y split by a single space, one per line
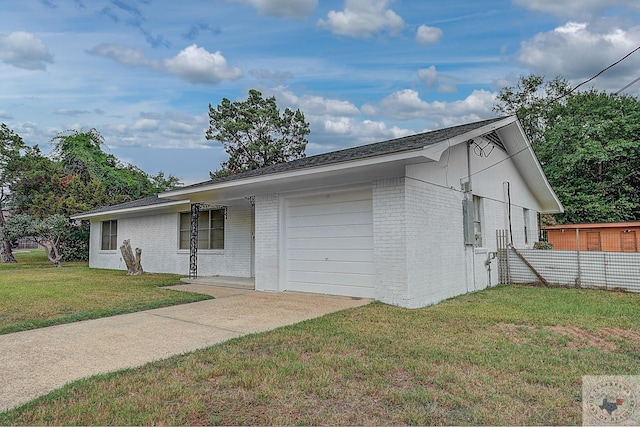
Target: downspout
510 225
468 194
469 187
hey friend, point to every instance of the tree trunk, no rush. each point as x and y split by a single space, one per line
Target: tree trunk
51 249
5 248
133 262
7 253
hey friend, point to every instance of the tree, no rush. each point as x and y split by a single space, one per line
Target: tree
588 144
533 100
78 176
591 153
81 156
255 134
10 152
47 232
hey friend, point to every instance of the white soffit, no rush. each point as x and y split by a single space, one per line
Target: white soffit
157 207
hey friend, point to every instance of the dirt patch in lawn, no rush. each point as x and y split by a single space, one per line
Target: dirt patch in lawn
607 339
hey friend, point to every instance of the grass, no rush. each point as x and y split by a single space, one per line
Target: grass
33 294
504 356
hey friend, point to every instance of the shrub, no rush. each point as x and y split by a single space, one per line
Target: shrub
543 245
74 246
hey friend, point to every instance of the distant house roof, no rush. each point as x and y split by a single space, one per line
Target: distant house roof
398 145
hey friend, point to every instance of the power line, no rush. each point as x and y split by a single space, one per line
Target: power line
528 143
607 68
628 86
599 73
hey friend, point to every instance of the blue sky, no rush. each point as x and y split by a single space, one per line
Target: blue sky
143 72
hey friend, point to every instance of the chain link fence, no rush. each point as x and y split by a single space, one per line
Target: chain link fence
607 269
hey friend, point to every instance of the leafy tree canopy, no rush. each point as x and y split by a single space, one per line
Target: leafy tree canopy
81 155
255 134
10 155
78 176
588 143
47 232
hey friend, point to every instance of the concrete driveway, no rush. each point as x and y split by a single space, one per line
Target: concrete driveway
33 363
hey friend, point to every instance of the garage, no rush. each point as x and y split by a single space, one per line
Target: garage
329 244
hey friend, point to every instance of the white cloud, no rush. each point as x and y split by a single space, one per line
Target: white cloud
313 105
364 131
318 105
283 8
447 89
363 19
342 132
404 105
432 78
65 112
196 65
428 76
4 114
576 9
428 35
335 123
579 50
24 50
407 105
181 127
145 125
193 63
123 55
158 130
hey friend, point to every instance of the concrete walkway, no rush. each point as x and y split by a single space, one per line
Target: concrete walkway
33 363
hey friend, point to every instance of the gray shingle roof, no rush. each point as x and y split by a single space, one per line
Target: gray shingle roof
397 145
148 201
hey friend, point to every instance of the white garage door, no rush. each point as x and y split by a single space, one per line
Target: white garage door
329 244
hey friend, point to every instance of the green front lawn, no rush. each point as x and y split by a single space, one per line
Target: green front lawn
504 356
34 294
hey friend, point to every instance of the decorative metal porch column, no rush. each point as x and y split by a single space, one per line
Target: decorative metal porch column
193 239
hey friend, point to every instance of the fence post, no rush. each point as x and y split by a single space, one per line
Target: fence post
605 259
579 278
503 257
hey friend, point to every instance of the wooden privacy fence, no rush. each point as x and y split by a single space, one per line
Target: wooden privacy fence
589 269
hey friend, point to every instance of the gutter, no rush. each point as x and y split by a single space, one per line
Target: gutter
90 215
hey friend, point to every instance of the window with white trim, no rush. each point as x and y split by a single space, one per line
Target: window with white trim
109 235
477 220
210 229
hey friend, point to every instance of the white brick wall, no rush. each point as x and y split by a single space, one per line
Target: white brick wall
389 241
103 259
435 243
418 243
419 252
157 236
267 241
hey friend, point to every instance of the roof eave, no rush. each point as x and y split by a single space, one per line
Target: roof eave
431 152
298 174
435 151
527 163
125 211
